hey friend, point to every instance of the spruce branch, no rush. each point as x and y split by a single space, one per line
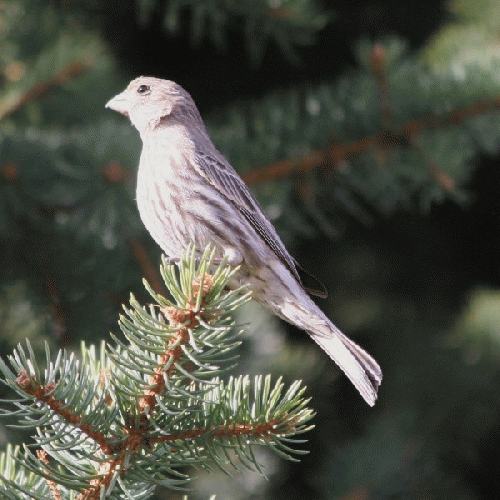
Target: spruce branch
117 422
338 152
387 134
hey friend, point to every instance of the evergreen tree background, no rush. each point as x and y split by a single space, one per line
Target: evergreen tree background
370 133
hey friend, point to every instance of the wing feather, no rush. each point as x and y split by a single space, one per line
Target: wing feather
224 178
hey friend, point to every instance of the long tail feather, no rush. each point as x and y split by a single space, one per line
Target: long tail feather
361 369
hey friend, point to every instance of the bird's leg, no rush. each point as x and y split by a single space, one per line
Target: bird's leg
171 260
234 258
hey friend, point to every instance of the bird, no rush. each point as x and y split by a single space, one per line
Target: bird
187 192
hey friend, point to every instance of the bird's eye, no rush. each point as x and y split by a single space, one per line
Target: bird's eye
143 89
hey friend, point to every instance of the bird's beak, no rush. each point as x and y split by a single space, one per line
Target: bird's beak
119 103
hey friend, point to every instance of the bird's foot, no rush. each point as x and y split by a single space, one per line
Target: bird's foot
175 260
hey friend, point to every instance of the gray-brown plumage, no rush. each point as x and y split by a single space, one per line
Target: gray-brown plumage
188 192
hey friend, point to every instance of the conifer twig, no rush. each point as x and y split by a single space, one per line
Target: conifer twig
54 490
401 137
126 418
11 105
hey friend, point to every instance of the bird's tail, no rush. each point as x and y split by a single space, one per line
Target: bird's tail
361 369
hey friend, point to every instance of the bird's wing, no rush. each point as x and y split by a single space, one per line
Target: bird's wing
224 178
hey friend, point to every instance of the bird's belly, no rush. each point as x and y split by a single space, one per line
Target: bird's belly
176 218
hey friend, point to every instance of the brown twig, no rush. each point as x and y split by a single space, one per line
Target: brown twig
241 429
284 168
41 393
174 350
57 312
378 68
53 488
11 106
148 269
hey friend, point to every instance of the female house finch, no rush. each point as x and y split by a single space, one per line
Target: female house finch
188 192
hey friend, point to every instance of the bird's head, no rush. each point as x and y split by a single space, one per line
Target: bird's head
148 100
